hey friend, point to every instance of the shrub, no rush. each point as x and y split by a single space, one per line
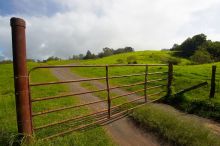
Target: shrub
135 62
201 56
132 59
172 60
119 61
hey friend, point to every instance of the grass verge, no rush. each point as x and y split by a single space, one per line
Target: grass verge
171 126
208 108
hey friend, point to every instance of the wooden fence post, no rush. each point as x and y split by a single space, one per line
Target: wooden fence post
23 106
170 79
108 92
212 90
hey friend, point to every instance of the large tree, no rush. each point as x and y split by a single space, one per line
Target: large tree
89 55
190 45
214 49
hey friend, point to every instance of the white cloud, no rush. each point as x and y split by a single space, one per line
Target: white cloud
142 24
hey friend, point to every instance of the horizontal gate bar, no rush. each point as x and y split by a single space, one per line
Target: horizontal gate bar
154 73
154 87
65 95
68 81
110 65
150 81
130 93
156 93
97 122
92 79
130 85
65 108
142 97
131 75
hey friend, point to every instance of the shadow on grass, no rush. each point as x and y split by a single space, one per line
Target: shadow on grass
10 138
207 108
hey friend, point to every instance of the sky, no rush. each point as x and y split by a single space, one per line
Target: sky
65 27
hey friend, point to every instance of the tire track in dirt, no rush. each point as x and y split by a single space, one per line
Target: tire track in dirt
123 131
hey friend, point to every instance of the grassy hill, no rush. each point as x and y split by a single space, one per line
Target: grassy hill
141 58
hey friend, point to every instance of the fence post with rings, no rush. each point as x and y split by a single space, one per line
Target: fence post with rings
21 79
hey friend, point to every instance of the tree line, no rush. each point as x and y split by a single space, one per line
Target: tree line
89 55
198 49
105 52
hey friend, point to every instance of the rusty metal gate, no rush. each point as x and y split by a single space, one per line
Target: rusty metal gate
110 112
23 87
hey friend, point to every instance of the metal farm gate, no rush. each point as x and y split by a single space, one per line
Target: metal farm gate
110 112
23 89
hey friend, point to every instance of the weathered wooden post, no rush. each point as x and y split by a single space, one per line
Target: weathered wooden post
23 106
212 90
170 79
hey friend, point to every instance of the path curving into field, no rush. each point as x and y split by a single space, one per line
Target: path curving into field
123 131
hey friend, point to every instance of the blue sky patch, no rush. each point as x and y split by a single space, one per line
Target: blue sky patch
31 8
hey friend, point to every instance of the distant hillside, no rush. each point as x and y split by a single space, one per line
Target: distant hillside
139 57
